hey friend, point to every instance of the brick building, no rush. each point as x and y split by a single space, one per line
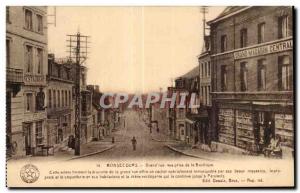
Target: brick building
26 41
252 83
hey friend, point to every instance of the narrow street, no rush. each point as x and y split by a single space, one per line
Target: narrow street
146 147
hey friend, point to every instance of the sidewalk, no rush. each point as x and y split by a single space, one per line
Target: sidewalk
184 149
161 137
93 148
64 154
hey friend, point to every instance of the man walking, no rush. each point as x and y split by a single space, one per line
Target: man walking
133 141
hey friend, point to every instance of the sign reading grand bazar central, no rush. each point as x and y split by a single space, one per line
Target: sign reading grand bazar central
149 96
264 49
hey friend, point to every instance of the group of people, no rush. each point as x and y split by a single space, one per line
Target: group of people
272 148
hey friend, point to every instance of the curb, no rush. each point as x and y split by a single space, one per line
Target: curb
158 140
90 154
187 154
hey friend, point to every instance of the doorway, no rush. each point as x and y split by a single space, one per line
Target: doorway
27 128
264 129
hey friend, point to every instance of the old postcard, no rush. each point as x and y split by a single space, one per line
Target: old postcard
150 96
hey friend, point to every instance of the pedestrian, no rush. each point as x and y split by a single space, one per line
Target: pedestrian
113 140
133 141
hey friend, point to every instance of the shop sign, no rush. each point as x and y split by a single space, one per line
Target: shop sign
265 49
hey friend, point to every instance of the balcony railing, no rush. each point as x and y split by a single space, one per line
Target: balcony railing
14 75
34 79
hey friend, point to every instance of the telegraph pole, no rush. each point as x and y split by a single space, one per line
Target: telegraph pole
204 11
78 51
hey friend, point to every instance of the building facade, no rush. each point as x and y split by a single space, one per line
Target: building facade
60 86
252 82
86 116
180 112
26 40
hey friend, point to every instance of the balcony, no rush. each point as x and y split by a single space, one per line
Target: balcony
34 79
14 76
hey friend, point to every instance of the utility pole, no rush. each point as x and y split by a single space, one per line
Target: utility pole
78 51
204 11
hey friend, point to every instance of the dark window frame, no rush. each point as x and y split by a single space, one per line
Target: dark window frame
281 33
261 33
40 21
8 54
224 78
29 58
224 43
40 58
8 14
288 77
243 37
243 79
261 65
29 25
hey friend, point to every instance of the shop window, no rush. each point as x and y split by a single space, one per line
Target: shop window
28 19
261 33
223 43
223 78
284 74
243 38
261 75
283 27
39 132
29 58
244 76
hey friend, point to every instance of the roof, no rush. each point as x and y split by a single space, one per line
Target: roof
192 73
228 11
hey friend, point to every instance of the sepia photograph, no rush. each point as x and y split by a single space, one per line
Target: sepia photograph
150 96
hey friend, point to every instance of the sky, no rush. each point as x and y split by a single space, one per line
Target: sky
132 49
